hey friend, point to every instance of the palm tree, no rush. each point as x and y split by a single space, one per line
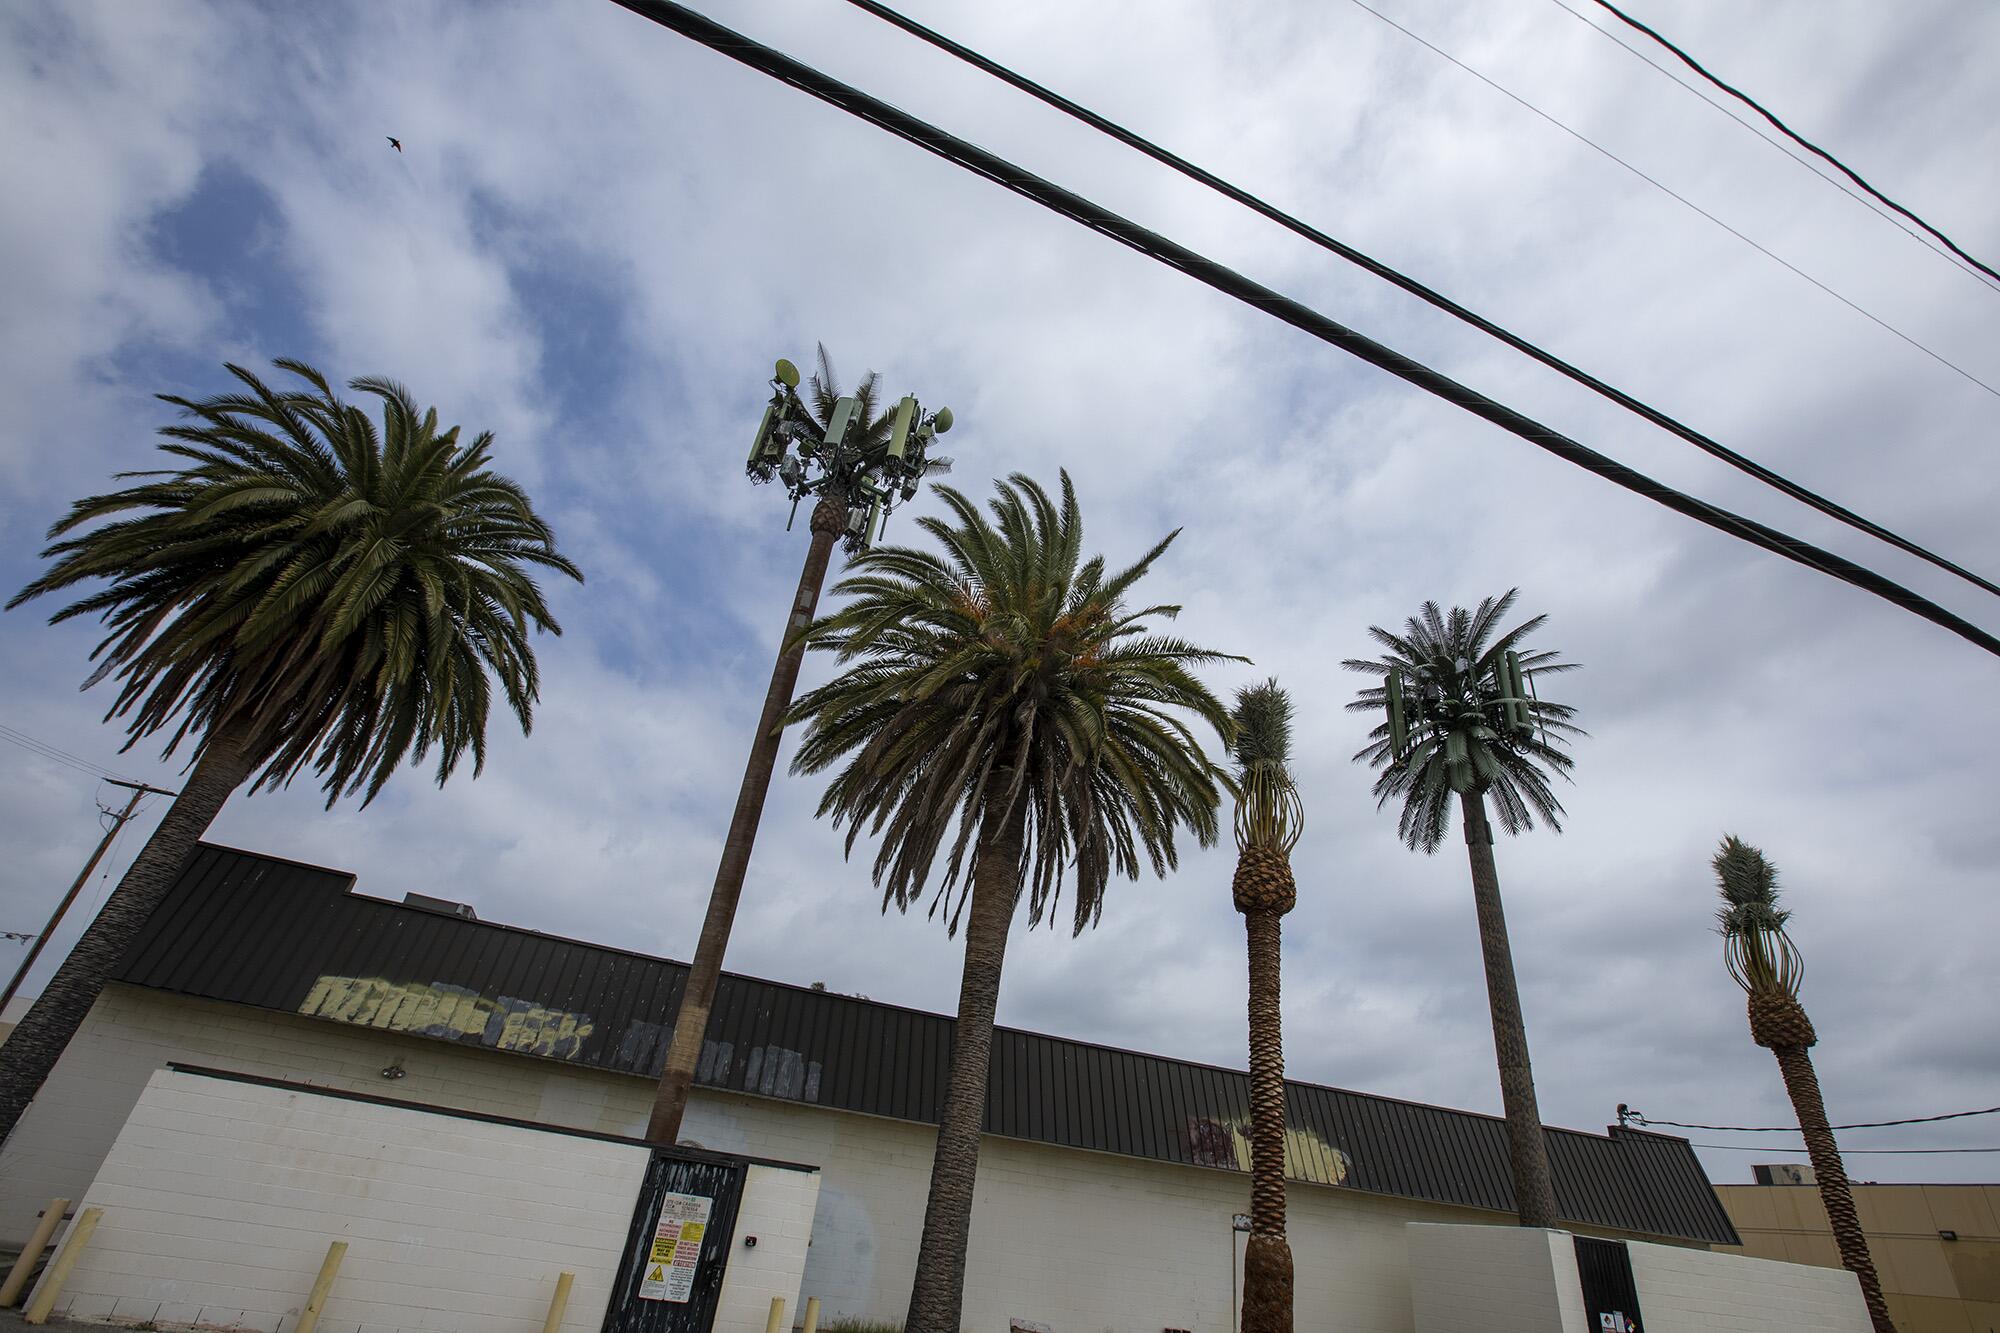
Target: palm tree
1004 687
1464 722
1766 964
829 522
298 588
1268 822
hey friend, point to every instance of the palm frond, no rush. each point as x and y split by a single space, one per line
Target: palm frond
1748 884
1004 674
336 596
1461 739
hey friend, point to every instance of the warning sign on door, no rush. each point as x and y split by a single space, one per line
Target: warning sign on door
670 1264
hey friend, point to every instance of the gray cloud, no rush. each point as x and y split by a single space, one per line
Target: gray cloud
600 236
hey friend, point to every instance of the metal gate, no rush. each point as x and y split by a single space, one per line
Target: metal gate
671 1273
1610 1297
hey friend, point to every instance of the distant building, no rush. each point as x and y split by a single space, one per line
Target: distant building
1936 1247
1108 1184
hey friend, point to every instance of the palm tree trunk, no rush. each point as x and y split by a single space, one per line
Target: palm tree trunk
1528 1154
1267 1258
31 1051
829 520
1802 1085
939 1292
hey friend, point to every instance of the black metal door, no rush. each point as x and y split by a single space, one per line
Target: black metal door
1610 1297
671 1272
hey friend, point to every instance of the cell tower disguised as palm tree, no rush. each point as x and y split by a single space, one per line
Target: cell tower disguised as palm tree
1766 964
1268 822
1462 722
856 463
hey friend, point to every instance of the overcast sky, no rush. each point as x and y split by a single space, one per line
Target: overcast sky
600 235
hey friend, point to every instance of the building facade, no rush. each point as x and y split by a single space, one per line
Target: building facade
1108 1183
1936 1247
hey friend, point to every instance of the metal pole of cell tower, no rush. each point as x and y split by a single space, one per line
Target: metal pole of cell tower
855 471
139 789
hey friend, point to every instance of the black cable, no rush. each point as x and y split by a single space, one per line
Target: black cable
1805 162
1793 1129
1787 131
678 18
1410 285
1680 198
1844 1152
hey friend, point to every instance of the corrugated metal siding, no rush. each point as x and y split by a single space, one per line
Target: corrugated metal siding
291 937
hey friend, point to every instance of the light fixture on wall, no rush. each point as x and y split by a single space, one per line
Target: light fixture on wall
394 1072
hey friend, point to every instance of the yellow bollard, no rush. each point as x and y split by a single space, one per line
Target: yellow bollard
776 1323
72 1250
309 1319
558 1304
10 1290
812 1314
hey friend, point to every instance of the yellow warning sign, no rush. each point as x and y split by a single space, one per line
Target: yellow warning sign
676 1249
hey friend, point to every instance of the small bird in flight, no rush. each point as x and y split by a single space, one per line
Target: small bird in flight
394 142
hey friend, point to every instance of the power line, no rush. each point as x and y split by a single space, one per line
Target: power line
1410 285
1787 131
678 18
1661 186
1777 146
1628 1115
1844 1152
15 736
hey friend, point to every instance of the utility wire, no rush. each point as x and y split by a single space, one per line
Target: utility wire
1412 286
1799 158
1787 131
1671 193
1793 1129
15 736
678 18
1844 1152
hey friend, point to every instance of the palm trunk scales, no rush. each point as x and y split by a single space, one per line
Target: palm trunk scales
939 1291
31 1051
1779 1023
1527 1152
1264 891
829 521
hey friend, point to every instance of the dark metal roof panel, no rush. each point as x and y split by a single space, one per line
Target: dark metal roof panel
263 931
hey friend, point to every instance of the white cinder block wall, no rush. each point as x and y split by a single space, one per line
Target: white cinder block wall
1071 1239
220 1198
1495 1279
1683 1291
1502 1279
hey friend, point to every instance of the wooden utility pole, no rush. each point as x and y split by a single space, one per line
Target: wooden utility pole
139 789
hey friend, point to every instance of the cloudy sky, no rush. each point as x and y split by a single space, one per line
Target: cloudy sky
600 235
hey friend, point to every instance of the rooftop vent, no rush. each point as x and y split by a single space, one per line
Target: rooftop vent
445 905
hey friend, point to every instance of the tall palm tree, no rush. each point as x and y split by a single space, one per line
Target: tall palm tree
1466 725
1269 819
1766 964
828 524
297 589
1004 687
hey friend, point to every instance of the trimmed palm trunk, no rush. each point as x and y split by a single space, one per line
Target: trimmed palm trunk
939 1292
1264 892
1527 1150
1763 960
829 521
1779 1023
31 1051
